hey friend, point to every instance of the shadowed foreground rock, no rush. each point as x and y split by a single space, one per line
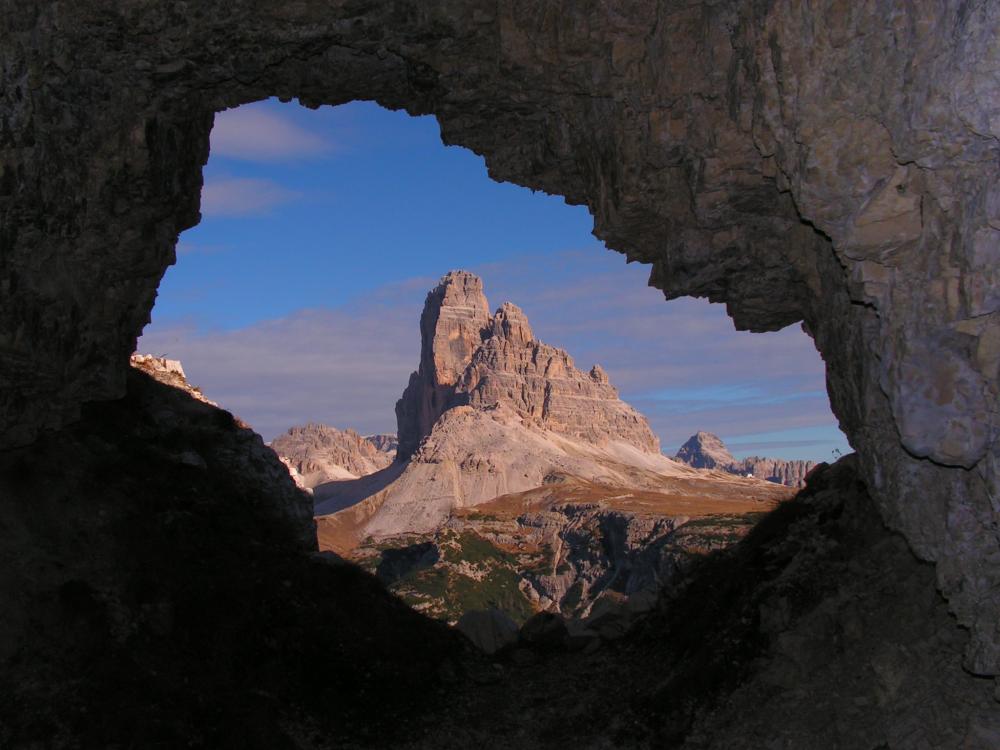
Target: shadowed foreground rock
160 591
831 163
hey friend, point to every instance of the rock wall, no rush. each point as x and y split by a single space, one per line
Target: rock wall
834 164
788 472
451 325
469 358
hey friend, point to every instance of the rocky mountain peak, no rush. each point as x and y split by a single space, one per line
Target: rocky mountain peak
703 450
320 453
470 358
511 323
451 328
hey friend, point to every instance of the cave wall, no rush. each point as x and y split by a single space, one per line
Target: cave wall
833 163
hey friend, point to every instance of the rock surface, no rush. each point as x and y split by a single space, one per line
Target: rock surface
703 450
832 163
152 600
510 413
470 358
580 550
451 325
320 453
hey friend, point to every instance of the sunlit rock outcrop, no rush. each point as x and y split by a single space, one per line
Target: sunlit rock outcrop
511 412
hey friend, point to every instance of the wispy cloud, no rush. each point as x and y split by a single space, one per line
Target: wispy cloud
680 363
345 368
242 196
251 133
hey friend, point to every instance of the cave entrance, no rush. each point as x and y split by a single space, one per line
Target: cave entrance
297 304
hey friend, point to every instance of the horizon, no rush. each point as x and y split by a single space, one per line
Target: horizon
270 289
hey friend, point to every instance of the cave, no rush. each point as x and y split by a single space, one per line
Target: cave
834 164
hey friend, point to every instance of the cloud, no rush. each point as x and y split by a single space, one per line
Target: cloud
681 363
343 368
242 196
252 133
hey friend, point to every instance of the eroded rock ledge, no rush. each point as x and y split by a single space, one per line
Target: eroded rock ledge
834 165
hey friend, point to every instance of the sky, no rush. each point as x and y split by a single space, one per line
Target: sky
298 296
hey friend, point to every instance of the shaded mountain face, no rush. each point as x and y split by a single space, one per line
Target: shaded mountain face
703 450
320 453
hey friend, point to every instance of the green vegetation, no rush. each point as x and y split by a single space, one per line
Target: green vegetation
471 548
442 591
478 516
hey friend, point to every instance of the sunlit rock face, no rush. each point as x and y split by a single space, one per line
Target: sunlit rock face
832 164
451 325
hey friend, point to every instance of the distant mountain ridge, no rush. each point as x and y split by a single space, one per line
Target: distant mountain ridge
320 453
703 450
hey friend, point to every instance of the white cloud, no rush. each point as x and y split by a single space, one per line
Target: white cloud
345 369
254 134
348 368
242 196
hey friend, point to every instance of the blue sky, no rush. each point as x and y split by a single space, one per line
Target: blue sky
298 295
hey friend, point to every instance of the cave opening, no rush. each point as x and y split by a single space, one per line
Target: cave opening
296 304
834 163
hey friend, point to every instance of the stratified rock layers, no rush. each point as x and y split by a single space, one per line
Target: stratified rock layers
830 163
470 358
455 314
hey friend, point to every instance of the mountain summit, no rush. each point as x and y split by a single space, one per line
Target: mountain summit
703 450
491 410
470 358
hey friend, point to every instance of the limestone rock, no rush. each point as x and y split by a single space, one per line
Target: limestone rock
542 385
386 442
703 450
470 358
772 156
320 453
507 410
169 372
455 314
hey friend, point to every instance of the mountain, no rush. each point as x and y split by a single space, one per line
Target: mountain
493 411
524 484
469 358
704 450
320 453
